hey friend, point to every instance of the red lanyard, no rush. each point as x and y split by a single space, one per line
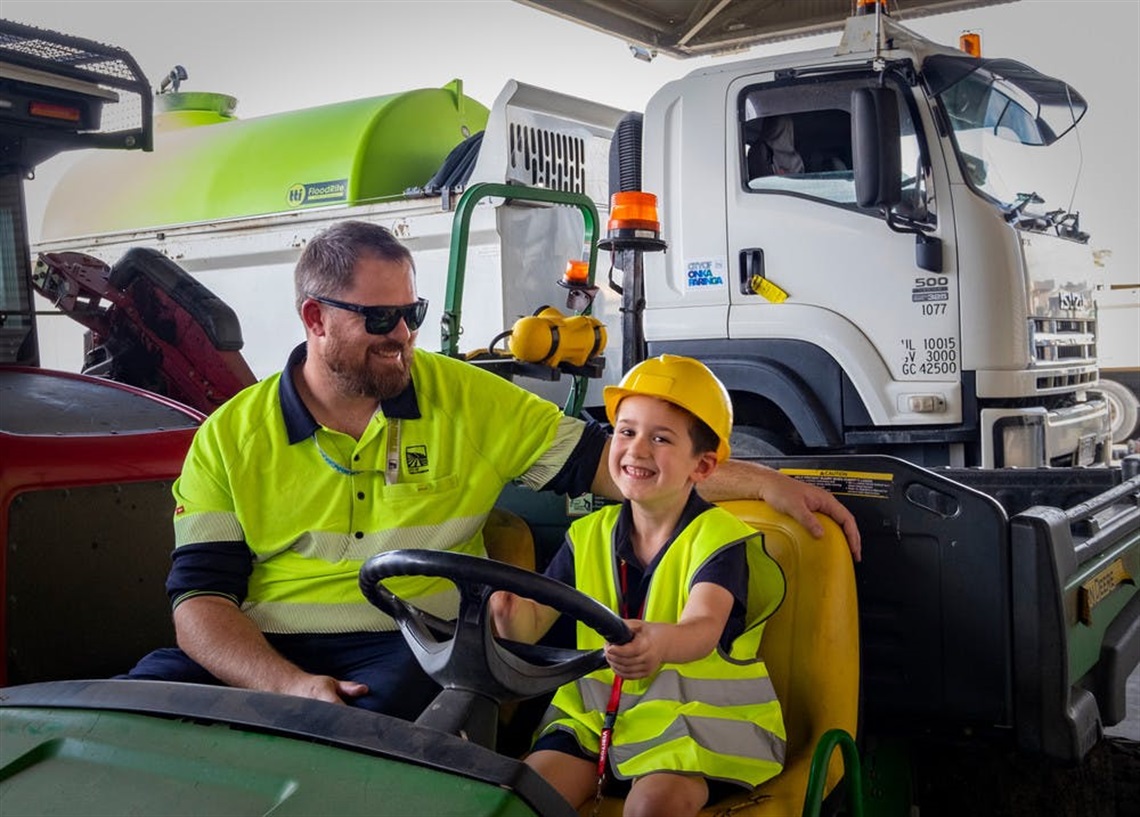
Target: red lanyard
615 693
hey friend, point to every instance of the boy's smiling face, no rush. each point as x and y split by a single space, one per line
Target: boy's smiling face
651 456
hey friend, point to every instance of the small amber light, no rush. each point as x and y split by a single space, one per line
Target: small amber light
577 272
971 43
633 210
868 7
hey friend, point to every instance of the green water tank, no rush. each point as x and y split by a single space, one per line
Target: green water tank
208 165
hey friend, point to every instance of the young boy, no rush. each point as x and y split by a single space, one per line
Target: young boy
696 712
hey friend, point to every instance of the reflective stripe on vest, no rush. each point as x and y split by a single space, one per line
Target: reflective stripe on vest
335 606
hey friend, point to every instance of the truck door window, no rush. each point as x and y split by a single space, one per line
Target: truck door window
796 139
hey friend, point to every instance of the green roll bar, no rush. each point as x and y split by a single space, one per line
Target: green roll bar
457 264
817 775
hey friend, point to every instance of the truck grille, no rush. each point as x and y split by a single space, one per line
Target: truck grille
548 159
1064 343
1065 381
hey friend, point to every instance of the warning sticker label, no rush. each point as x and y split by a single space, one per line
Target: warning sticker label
584 504
846 483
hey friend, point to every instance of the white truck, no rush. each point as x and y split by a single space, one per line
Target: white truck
1118 352
910 296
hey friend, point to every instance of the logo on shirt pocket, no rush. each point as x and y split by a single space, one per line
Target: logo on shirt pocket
416 459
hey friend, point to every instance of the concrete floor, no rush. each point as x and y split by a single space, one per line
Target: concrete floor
1130 726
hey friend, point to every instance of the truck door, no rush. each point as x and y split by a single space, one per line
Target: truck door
811 267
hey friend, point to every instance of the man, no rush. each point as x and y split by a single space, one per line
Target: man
364 444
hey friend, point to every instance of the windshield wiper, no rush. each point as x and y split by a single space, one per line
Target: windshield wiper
1066 225
1014 211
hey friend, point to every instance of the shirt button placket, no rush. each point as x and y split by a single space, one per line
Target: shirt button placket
357 514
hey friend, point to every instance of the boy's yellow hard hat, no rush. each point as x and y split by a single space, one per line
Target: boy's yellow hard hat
684 382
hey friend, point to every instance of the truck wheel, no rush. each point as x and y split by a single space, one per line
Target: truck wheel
755 441
1123 409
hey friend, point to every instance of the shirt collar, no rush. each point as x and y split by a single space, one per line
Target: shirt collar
299 421
695 505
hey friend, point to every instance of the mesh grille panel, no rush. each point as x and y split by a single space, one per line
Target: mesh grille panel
548 159
85 61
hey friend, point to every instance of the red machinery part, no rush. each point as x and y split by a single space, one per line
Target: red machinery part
64 439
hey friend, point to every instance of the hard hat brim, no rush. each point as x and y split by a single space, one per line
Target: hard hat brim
613 395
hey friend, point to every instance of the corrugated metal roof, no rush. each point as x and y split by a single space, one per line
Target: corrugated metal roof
690 28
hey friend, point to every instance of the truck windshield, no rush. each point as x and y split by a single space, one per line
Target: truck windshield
1007 121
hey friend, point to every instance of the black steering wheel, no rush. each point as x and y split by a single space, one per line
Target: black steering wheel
464 656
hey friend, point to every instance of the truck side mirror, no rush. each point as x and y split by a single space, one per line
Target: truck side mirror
875 147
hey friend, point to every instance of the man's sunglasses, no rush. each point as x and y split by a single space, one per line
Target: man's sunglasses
380 320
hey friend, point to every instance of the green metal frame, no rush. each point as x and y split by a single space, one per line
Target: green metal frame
1086 638
457 263
817 776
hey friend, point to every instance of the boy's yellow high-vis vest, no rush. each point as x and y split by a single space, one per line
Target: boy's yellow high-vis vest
717 716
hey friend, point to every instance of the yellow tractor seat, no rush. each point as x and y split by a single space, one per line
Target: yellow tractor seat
811 647
507 538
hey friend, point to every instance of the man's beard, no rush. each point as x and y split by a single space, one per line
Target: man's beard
358 373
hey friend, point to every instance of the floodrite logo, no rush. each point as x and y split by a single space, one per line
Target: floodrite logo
317 193
416 458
